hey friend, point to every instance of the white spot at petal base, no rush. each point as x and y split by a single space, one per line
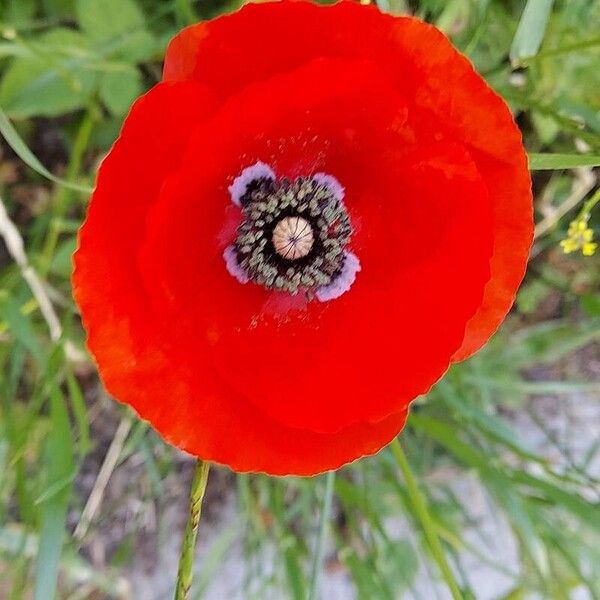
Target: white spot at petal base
329 181
233 268
258 170
343 282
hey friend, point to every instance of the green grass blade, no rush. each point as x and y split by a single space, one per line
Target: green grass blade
215 558
15 141
549 162
517 509
531 29
586 511
320 550
288 544
425 519
21 328
60 464
80 413
590 44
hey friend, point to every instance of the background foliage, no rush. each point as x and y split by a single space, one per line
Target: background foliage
84 486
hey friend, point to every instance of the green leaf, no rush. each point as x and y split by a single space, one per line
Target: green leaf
213 561
118 89
186 13
51 82
550 341
117 27
10 49
403 564
21 328
531 295
15 141
109 19
545 126
517 593
531 29
61 261
18 12
425 519
587 512
15 540
363 575
80 412
58 8
448 436
288 546
516 509
590 304
545 162
493 427
60 469
319 553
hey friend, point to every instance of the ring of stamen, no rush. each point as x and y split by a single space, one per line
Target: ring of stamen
293 236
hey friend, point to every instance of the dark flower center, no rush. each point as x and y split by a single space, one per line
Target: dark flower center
293 234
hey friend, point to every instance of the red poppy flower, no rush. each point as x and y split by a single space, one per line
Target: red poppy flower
298 230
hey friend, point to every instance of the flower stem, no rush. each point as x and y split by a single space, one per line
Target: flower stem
320 549
419 504
587 207
186 558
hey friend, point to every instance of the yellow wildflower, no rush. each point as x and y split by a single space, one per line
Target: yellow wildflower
579 237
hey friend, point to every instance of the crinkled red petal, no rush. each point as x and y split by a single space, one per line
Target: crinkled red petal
444 93
138 363
426 152
422 234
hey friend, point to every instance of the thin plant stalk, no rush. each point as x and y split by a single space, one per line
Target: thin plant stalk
186 558
63 194
320 549
419 504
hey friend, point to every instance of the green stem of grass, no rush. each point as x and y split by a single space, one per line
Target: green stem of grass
419 504
63 194
587 207
186 558
320 549
562 50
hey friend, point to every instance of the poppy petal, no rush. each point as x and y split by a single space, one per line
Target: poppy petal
134 362
434 180
151 146
422 235
438 82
